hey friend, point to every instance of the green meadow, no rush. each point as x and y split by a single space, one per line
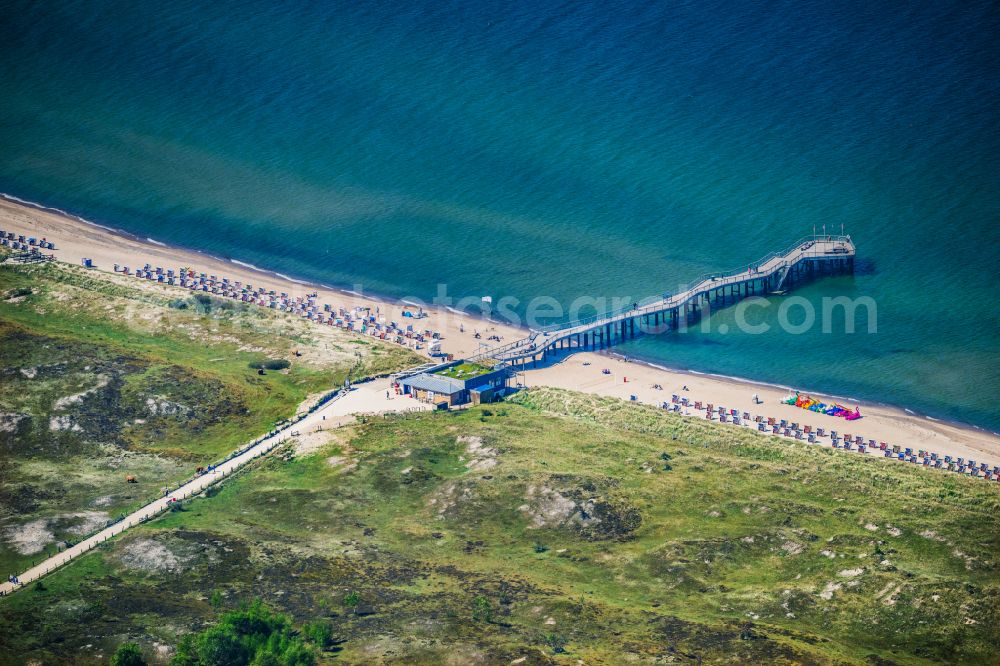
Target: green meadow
101 379
552 529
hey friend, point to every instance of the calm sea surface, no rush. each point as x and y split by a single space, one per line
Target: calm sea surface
520 149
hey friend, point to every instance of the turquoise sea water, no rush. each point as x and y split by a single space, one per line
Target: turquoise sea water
559 149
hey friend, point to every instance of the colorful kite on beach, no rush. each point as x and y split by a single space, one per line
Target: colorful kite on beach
806 402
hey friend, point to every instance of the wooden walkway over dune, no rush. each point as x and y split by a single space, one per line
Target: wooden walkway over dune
778 272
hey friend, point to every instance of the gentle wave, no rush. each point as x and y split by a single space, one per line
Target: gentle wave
36 205
155 242
250 266
291 279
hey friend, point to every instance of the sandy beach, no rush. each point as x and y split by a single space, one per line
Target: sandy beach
76 239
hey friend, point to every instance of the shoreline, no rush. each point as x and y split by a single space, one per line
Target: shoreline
76 237
638 360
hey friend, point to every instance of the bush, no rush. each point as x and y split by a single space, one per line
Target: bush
320 633
178 304
482 610
128 654
271 364
254 635
352 599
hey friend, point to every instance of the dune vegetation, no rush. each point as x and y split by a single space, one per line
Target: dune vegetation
553 528
103 379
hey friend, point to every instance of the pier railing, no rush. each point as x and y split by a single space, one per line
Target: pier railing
716 279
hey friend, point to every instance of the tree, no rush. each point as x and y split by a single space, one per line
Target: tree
253 635
221 646
128 654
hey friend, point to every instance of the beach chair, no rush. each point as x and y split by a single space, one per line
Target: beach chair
882 446
798 434
770 420
786 432
774 429
887 454
807 429
761 427
821 432
895 448
697 404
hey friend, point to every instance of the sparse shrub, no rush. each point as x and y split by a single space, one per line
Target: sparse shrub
556 642
40 586
318 632
482 610
178 304
128 654
540 547
351 599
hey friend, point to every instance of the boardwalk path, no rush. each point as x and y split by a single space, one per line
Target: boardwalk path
366 398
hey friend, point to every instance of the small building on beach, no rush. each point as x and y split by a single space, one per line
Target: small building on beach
456 383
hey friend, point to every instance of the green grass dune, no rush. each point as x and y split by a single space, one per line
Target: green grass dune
556 528
100 379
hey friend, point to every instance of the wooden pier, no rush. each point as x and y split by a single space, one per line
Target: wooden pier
776 273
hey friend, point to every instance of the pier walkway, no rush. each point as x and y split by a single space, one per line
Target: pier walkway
778 272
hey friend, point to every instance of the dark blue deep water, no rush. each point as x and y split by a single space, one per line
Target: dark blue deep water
565 149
